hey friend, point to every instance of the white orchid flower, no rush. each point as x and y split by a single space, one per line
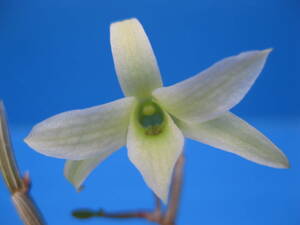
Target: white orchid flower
152 120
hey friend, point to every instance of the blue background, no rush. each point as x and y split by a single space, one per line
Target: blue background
55 56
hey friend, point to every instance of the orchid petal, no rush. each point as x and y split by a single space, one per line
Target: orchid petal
81 134
230 133
215 90
135 62
155 155
76 171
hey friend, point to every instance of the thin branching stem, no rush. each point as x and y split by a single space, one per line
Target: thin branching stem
157 215
124 215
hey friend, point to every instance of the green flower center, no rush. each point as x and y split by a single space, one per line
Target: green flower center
151 118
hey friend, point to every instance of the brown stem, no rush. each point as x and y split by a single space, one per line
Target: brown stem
8 165
158 209
173 204
148 215
27 209
157 215
18 186
124 215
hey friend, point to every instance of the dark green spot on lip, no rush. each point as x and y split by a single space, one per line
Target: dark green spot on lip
151 118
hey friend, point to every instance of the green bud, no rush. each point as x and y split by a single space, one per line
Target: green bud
84 214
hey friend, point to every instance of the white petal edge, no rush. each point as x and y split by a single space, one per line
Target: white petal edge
155 156
134 59
77 171
215 90
81 134
232 134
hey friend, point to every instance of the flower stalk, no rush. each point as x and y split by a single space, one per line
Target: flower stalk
173 205
18 186
8 165
158 215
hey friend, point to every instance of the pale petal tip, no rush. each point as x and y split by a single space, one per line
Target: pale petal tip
30 140
77 185
27 139
285 164
267 51
130 20
280 163
164 197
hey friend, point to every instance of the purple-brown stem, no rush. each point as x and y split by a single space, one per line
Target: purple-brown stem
158 216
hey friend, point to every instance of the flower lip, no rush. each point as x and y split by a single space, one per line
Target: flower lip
150 117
